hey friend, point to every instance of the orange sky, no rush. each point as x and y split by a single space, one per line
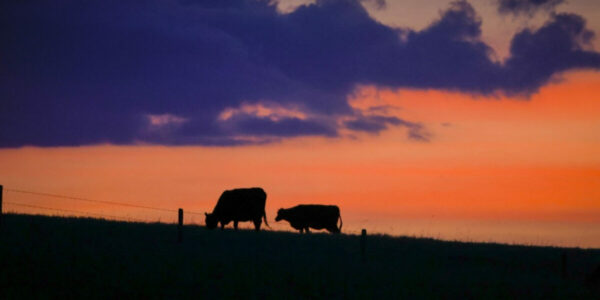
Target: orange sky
520 166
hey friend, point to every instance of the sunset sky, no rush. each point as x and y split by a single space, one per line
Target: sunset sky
468 120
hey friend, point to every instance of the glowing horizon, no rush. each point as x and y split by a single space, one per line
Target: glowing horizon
490 165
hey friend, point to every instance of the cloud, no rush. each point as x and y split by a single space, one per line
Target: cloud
378 4
165 120
527 7
563 43
271 111
205 72
376 123
372 124
288 127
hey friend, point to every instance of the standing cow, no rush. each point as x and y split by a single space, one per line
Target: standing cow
301 217
239 205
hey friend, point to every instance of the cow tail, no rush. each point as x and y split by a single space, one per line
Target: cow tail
265 218
341 223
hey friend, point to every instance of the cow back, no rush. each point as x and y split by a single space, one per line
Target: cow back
313 215
241 204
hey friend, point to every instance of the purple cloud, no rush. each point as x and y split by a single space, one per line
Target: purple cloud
78 73
527 7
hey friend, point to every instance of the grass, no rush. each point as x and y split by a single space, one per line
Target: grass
54 257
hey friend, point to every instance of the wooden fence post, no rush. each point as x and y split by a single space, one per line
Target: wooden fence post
363 245
563 259
180 226
1 205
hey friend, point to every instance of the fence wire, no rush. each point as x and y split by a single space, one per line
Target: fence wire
74 211
89 200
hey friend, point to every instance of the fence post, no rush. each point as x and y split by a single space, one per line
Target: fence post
563 259
363 245
1 205
180 226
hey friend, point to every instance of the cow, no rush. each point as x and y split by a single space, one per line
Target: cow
305 216
239 205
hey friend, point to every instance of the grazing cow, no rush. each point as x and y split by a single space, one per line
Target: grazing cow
239 205
301 217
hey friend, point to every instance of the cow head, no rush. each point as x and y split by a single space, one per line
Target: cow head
211 220
280 214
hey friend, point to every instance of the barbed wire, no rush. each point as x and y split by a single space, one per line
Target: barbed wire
97 201
194 213
74 211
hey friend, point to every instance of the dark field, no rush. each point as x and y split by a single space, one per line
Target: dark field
52 257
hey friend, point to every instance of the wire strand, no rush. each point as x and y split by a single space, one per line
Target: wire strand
73 211
92 200
193 212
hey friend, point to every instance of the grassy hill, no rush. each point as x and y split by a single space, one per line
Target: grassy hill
52 257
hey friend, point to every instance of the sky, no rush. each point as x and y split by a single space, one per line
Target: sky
467 120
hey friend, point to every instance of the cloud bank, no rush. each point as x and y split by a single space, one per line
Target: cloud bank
527 7
166 72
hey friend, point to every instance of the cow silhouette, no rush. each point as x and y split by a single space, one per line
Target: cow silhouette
239 205
305 216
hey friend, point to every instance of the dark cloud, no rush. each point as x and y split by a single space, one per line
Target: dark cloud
379 4
535 56
377 123
527 7
123 72
372 124
249 125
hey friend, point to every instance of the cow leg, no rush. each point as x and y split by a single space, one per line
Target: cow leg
235 224
307 230
257 224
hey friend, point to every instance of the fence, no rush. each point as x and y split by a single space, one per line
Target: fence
179 212
4 202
